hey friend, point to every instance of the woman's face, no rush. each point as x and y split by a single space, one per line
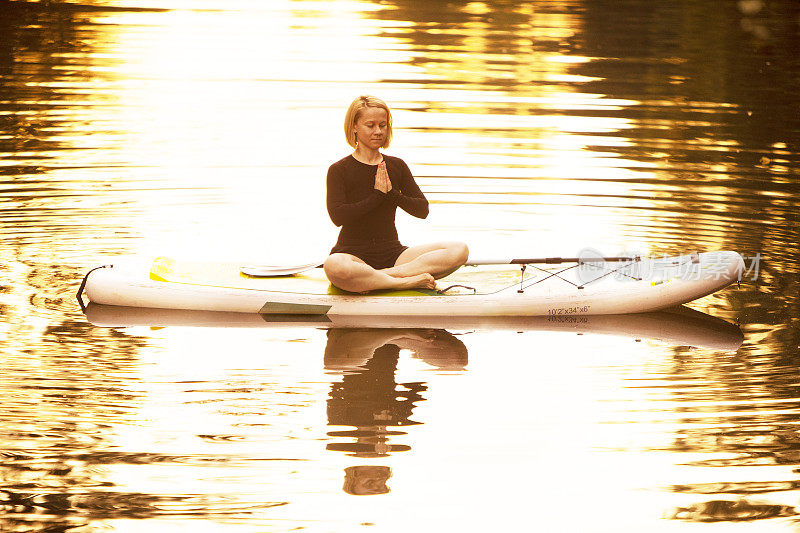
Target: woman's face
371 127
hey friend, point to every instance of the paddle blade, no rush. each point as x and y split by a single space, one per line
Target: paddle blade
270 271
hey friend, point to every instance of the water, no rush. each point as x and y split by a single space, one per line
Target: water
205 128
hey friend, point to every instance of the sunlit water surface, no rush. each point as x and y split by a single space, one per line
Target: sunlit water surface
204 129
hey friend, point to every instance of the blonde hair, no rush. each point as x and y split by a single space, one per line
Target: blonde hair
354 111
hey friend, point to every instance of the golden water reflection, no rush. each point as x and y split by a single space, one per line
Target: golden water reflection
246 404
352 358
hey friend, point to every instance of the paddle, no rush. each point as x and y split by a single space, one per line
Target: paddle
549 260
266 271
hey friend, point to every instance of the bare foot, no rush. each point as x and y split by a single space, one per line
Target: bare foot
420 281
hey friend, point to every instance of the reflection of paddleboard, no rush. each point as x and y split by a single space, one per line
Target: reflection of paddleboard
594 288
678 326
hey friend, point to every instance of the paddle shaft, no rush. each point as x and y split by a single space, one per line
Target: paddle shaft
549 260
268 271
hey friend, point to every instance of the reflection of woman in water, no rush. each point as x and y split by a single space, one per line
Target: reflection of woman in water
365 480
350 349
368 397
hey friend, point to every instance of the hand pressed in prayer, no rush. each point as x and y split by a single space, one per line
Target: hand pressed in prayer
382 182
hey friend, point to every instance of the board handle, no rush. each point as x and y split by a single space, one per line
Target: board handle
79 296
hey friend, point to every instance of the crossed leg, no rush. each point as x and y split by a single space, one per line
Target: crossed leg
416 267
438 259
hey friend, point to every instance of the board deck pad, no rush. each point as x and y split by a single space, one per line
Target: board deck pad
485 280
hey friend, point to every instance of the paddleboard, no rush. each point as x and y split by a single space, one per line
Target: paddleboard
596 288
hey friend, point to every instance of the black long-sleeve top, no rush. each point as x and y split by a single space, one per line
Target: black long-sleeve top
366 214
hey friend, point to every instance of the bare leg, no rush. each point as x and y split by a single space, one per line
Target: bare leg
438 259
351 274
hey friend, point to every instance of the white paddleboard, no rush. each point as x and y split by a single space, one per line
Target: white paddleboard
493 290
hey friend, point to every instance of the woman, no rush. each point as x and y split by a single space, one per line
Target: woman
364 191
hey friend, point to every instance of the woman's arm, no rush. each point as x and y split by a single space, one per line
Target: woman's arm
409 197
339 210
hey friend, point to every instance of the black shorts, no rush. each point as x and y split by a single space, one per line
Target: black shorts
378 256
